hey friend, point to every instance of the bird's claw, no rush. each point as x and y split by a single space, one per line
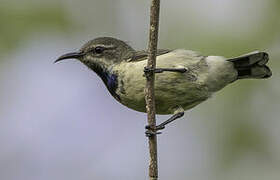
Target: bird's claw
156 128
150 133
150 69
153 131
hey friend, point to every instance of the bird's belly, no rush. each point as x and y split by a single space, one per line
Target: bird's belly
172 90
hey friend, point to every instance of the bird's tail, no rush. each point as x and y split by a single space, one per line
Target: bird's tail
252 65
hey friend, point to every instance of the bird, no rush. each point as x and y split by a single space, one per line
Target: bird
184 78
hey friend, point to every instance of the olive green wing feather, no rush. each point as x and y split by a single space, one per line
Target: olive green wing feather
142 55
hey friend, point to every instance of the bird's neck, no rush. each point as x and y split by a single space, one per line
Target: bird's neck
109 78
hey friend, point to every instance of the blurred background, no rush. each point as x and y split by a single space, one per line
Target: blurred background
57 121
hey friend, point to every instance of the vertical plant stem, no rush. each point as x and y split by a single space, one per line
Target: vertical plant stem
150 96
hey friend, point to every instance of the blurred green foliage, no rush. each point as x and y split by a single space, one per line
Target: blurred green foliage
219 40
20 20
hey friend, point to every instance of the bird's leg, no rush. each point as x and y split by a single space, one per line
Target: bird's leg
153 130
160 70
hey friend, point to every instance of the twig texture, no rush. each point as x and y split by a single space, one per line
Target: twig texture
150 97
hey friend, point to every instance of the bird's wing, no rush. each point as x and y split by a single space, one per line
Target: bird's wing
142 55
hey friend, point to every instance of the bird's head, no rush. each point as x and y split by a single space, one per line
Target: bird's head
101 52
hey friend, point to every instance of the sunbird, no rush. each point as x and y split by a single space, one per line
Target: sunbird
184 78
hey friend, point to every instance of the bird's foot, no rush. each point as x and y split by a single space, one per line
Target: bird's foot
160 70
151 131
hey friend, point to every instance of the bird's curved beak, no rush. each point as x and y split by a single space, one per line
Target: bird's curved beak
72 55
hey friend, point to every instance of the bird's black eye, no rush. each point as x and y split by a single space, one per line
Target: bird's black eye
99 49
